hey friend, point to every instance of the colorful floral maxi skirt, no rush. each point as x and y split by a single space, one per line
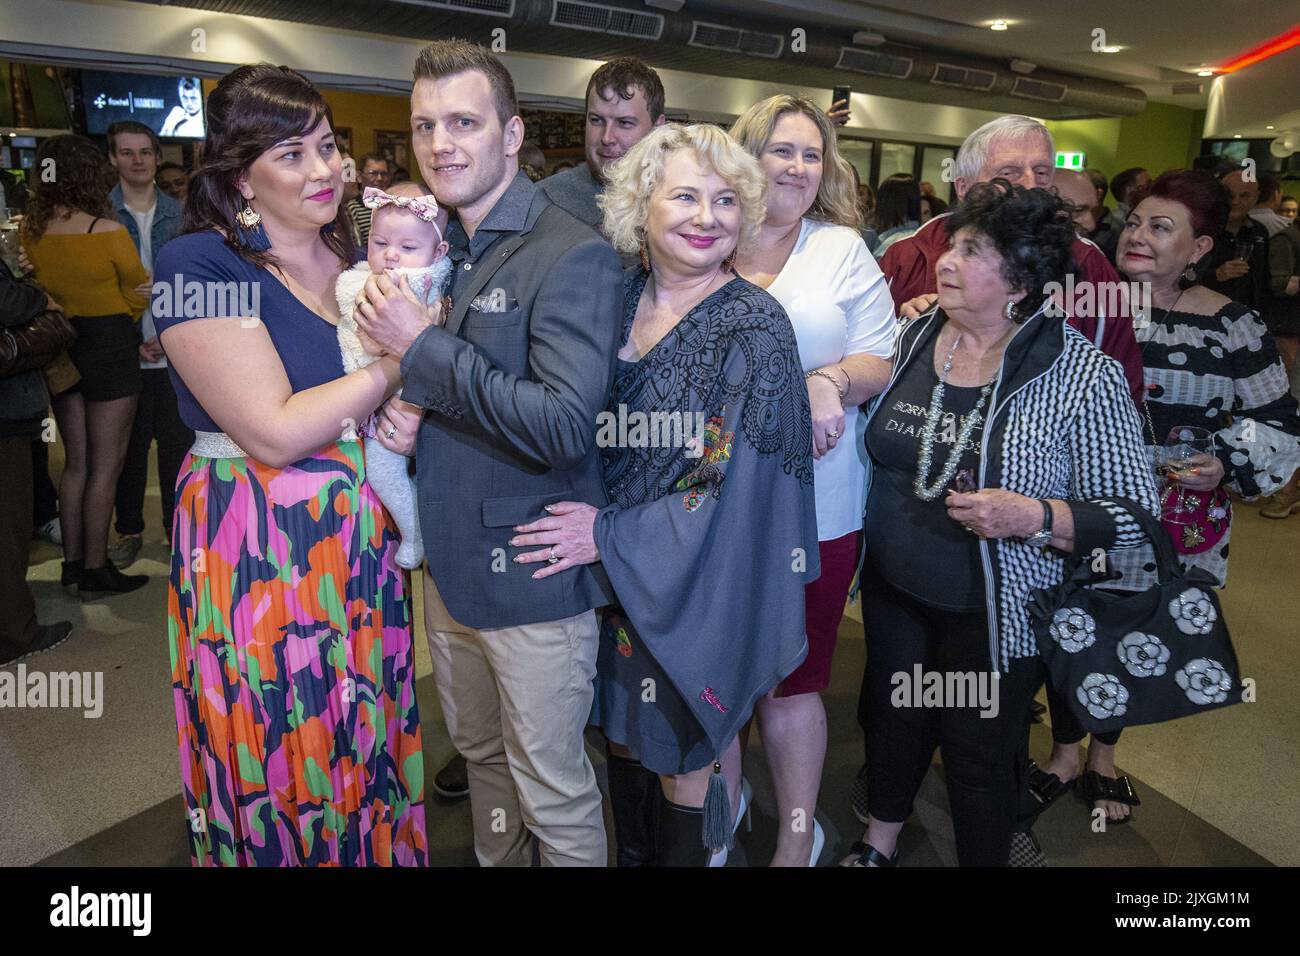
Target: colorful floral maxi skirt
293 672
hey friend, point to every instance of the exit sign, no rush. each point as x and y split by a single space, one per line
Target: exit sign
1070 160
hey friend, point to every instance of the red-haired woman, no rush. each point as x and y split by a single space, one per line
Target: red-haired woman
1209 362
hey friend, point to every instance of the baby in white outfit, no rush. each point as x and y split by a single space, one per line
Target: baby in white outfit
406 238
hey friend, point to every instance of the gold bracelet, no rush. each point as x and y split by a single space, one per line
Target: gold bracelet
830 378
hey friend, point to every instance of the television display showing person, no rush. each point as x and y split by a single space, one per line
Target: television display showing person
187 118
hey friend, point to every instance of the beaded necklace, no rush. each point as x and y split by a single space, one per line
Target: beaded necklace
926 452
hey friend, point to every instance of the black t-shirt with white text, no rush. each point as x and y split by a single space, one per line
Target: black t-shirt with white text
913 543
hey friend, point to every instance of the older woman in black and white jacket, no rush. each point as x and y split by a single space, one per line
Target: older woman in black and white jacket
995 451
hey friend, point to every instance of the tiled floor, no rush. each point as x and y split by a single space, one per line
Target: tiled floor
1218 789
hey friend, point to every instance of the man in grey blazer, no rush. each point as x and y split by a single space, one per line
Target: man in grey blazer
508 388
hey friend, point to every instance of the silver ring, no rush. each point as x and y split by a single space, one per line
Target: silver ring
551 558
392 430
832 434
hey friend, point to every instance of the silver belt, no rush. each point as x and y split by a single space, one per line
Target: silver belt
215 445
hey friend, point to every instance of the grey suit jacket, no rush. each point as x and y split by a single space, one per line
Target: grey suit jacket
512 385
575 190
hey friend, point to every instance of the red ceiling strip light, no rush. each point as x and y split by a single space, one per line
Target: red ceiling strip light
1269 48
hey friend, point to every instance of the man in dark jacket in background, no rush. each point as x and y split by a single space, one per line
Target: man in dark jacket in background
1237 266
625 101
23 404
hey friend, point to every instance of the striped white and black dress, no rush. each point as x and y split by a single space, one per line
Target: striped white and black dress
1221 372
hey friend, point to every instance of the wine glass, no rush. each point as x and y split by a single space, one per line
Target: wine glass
1188 447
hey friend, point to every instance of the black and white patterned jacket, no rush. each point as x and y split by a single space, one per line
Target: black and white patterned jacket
1061 425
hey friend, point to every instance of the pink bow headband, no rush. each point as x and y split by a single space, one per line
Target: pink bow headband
425 208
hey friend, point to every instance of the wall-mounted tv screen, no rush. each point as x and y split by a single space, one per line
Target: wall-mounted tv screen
172 106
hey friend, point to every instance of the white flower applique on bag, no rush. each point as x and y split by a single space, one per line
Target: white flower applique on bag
1103 696
1143 655
1074 629
1204 681
1193 612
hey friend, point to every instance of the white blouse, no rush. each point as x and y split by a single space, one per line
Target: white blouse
839 304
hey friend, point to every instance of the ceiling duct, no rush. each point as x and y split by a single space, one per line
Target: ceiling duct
714 36
1187 89
874 63
494 8
1039 90
704 38
580 15
945 74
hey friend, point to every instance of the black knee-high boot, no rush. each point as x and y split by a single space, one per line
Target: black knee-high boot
632 790
679 834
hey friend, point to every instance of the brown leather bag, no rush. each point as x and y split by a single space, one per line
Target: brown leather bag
61 375
36 344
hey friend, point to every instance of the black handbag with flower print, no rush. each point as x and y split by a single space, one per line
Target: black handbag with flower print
1123 658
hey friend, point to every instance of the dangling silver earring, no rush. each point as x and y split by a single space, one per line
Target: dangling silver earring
1189 274
1010 311
248 217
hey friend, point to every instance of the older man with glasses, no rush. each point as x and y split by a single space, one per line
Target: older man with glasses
374 170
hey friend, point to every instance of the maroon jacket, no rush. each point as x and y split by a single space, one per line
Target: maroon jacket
909 266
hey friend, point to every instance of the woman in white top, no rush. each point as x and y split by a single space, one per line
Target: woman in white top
810 256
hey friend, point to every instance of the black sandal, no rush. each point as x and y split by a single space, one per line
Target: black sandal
1094 787
868 854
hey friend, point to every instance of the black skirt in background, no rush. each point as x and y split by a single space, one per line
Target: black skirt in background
107 354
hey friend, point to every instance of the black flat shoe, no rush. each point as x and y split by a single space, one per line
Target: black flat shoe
868 855
452 781
48 637
108 580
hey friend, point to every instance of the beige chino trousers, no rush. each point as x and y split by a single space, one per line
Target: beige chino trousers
516 700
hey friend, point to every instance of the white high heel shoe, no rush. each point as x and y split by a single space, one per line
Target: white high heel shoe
819 843
744 811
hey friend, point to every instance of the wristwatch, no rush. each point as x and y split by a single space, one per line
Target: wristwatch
1041 539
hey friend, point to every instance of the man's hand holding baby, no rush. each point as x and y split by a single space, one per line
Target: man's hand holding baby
391 315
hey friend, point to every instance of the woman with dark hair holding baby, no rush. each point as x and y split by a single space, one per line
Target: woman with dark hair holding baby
288 616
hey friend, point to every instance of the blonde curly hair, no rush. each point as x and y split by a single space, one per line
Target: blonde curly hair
837 198
631 182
